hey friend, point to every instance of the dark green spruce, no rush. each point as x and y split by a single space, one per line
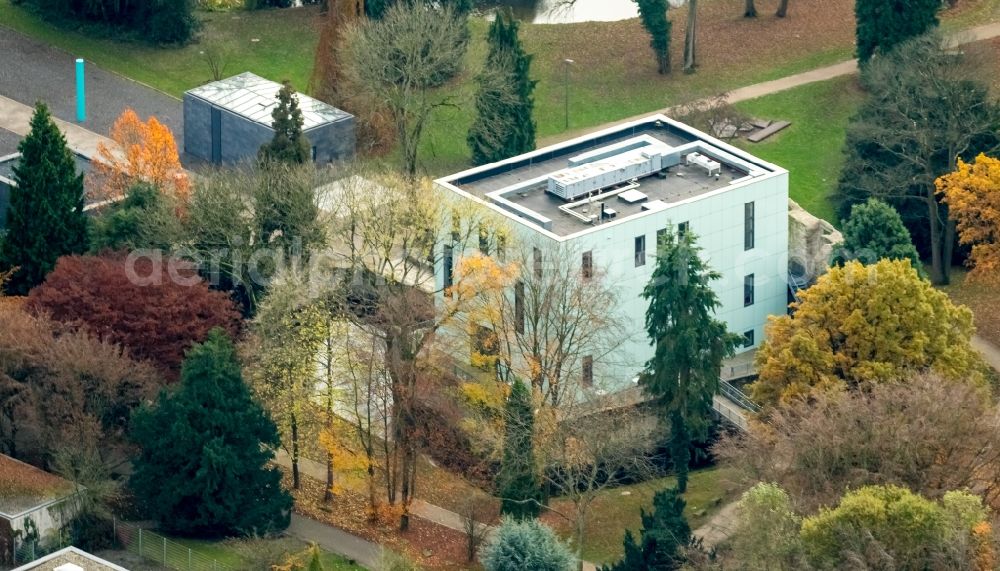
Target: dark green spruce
289 145
690 344
884 24
45 218
517 480
206 448
664 532
504 126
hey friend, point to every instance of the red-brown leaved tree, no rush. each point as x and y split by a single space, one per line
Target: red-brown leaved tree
155 310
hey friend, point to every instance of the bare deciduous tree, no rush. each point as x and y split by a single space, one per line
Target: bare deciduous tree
582 456
400 60
928 434
390 239
562 317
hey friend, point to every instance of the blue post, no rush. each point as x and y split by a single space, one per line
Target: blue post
81 94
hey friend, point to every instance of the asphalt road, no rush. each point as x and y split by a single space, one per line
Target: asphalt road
31 71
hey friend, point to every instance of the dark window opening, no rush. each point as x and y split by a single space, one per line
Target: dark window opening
748 338
538 263
588 265
519 307
449 266
682 229
484 241
640 251
588 371
748 223
748 290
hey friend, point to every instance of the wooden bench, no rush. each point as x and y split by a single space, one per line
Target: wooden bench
771 129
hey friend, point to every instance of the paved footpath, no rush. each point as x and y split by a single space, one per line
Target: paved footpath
334 540
979 33
989 351
15 117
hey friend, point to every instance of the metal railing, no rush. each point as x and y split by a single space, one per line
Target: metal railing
738 397
163 551
730 413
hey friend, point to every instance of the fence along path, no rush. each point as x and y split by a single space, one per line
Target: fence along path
159 549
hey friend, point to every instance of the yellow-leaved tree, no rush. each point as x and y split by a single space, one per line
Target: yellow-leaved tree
973 196
860 324
146 152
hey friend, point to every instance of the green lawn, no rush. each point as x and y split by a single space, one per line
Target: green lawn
232 554
811 148
613 512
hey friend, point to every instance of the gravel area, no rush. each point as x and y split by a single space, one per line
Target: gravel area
8 142
32 70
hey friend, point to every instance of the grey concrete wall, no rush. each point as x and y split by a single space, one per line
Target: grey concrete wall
242 138
4 201
333 141
197 128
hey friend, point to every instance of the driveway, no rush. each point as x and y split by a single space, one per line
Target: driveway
33 71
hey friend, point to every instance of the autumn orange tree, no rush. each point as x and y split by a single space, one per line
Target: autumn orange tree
972 193
146 152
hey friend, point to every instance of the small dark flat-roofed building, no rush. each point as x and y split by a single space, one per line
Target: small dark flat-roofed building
227 121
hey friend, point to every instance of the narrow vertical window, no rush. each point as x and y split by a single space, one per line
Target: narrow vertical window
538 263
682 229
661 235
502 248
588 265
588 371
748 223
448 266
748 290
519 307
484 241
640 250
748 338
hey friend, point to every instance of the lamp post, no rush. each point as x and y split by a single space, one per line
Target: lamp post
566 63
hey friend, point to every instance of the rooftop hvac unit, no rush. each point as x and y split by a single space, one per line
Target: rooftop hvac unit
574 182
711 167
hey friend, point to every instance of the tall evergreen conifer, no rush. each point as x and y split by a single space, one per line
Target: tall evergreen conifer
690 344
289 145
664 532
45 218
203 469
519 486
504 126
883 24
653 14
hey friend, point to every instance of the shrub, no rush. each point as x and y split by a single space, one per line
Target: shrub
523 545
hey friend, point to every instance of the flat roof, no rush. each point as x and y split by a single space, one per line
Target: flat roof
8 162
254 97
519 186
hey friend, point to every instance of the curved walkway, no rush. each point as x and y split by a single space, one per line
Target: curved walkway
971 35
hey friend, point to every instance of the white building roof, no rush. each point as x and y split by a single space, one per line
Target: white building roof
254 97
